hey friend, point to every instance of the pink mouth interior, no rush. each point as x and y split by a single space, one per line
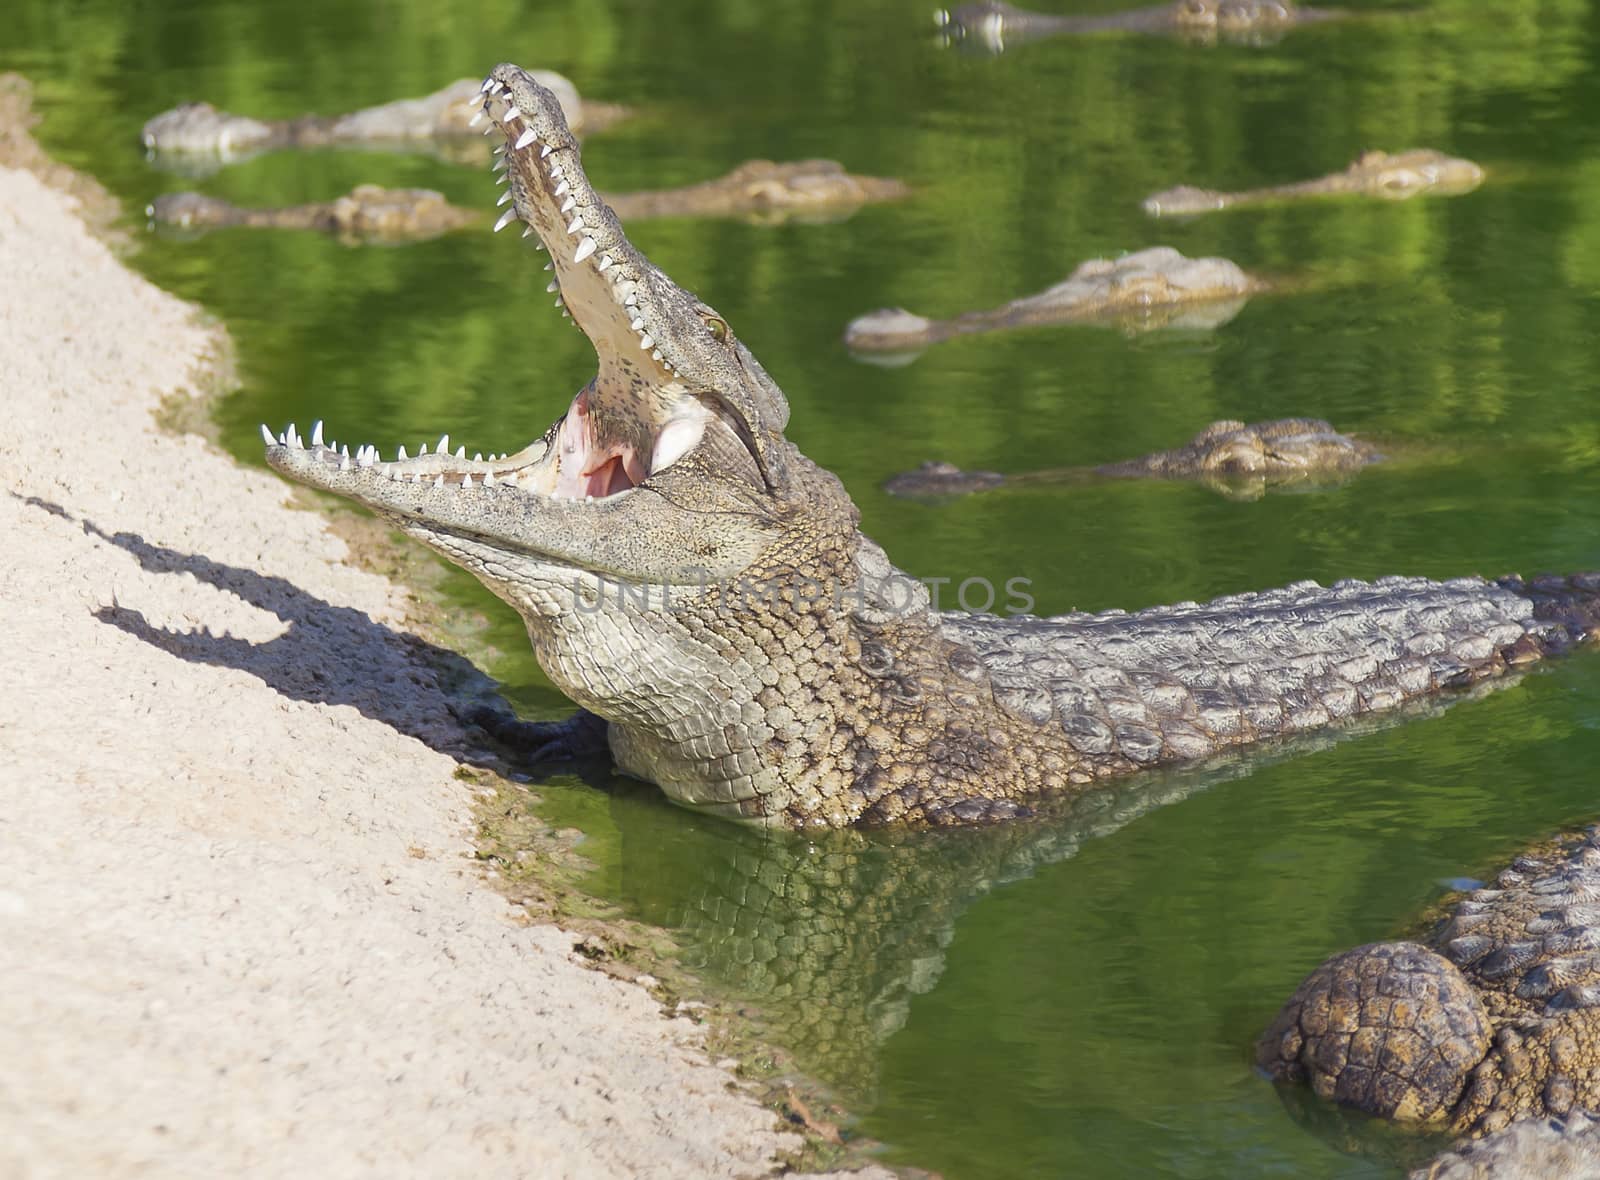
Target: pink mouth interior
590 466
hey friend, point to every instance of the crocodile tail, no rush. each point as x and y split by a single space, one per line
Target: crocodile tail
1567 606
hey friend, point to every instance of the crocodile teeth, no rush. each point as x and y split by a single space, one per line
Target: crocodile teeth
568 205
504 197
461 452
444 444
400 455
577 224
527 230
561 189
466 481
551 265
488 85
511 113
344 462
439 483
476 119
605 261
266 436
558 302
505 178
477 456
526 138
488 479
547 150
552 288
422 448
630 299
638 322
585 248
646 340
656 355
506 219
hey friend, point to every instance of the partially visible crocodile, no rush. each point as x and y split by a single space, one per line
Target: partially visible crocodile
1496 1019
1395 176
1238 460
196 137
702 590
759 190
1140 292
365 213
992 25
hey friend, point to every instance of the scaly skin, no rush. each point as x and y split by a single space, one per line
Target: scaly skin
198 132
1237 460
690 577
1148 290
992 26
1497 1020
759 191
1396 176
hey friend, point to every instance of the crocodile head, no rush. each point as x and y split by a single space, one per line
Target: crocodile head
1399 175
198 128
667 479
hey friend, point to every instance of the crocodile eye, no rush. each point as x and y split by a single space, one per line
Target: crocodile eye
718 327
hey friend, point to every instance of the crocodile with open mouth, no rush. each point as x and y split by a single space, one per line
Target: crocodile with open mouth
702 590
1239 460
1151 289
1391 176
757 190
198 137
992 25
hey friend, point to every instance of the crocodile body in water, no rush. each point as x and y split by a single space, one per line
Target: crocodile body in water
1140 292
1497 1020
702 590
198 138
1239 460
993 26
758 190
1391 176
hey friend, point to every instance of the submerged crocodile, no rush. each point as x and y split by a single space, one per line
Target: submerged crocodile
1395 176
758 190
1140 292
1496 1020
1239 460
702 590
197 136
992 26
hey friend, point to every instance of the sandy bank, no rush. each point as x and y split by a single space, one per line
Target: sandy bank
238 932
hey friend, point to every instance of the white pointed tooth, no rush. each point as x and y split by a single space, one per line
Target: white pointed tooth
266 436
461 452
585 248
345 452
527 231
565 314
505 178
466 481
638 322
344 462
496 86
556 170
506 219
588 499
552 287
656 355
568 205
561 189
488 85
422 448
526 138
630 299
504 197
577 224
316 433
489 130
558 302
646 341
439 483
477 456
476 119
400 455
444 444
538 246
364 459
547 150
498 149
488 479
511 113
283 438
605 262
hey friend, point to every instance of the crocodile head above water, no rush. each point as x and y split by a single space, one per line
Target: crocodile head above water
693 580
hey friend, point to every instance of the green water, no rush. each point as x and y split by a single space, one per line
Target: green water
1077 996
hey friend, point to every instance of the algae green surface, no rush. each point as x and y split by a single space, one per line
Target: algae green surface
1079 996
